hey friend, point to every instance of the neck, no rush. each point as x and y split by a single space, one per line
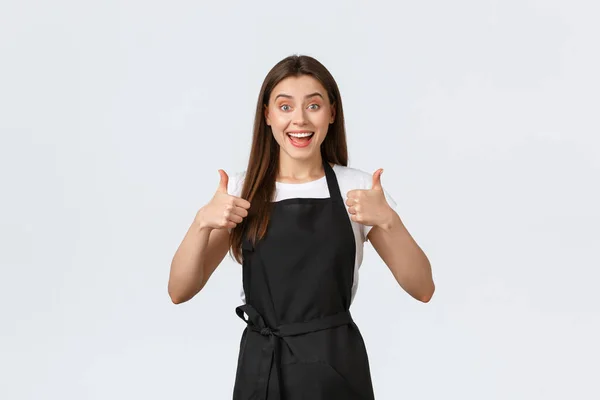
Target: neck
298 171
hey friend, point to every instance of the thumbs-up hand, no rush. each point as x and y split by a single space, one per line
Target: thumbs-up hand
369 206
223 211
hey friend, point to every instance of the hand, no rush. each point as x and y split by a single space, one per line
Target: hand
369 207
223 211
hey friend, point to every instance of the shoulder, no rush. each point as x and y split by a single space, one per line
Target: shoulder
352 178
236 181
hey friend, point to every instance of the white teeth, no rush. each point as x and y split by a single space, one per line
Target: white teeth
302 134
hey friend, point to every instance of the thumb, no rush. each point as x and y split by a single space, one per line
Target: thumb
377 179
224 181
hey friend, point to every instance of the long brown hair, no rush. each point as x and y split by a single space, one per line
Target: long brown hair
259 183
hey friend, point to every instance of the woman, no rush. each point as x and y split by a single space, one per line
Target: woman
296 220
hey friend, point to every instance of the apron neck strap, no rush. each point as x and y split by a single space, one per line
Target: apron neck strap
332 183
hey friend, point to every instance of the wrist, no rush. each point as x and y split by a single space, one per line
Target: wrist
390 221
200 223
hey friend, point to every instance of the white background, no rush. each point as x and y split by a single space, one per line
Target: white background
116 116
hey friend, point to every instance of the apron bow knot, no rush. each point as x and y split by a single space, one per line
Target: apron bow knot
272 351
266 331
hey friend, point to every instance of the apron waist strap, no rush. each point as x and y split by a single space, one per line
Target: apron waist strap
256 323
271 353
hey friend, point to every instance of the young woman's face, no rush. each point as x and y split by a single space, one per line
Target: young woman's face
299 115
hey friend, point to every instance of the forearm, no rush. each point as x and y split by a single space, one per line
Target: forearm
187 267
405 259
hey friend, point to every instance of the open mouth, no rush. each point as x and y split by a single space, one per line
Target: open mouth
300 139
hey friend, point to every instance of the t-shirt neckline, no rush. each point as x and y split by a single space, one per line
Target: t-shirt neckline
302 185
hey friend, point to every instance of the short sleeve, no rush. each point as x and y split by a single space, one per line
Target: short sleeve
390 200
235 184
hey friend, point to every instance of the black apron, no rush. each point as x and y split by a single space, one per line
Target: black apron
300 341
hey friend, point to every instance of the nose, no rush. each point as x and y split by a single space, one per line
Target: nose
299 117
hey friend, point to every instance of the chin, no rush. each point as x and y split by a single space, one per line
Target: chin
300 155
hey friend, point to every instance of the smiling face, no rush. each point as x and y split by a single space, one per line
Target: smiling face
299 113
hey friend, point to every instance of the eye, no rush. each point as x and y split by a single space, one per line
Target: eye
316 106
282 107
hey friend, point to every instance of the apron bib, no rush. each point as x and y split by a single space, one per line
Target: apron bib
300 341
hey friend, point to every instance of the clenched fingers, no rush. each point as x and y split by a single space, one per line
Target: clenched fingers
234 213
239 202
351 201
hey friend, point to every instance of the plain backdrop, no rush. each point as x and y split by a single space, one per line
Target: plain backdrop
116 115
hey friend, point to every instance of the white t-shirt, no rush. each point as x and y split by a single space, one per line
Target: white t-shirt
348 179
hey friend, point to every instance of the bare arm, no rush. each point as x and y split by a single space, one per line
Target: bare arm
197 257
403 256
390 238
206 243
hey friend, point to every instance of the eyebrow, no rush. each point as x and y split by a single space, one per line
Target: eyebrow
287 96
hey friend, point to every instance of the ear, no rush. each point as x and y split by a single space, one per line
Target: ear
266 112
332 119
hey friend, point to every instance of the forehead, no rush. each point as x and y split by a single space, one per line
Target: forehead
298 87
